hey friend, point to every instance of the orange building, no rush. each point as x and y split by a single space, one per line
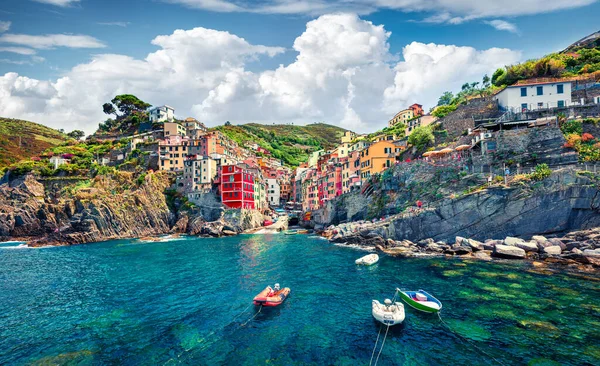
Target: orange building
377 158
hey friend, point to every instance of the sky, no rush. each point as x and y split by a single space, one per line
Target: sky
351 63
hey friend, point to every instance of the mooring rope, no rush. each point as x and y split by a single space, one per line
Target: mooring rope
468 340
215 332
382 344
254 316
375 347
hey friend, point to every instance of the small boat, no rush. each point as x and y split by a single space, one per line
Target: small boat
368 259
272 297
388 313
421 300
296 231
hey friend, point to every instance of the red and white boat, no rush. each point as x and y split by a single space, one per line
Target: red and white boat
272 297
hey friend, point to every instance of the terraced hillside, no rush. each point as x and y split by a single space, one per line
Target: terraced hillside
290 143
23 139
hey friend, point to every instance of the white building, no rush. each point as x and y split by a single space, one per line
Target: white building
532 95
58 161
163 113
273 192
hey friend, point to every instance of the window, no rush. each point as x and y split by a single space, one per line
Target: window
560 89
540 105
561 103
540 90
523 107
523 92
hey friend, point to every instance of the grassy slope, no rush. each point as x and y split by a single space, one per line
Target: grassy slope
291 143
35 138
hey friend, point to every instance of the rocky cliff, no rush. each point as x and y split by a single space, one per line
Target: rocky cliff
116 205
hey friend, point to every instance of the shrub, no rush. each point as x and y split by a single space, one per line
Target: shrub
421 137
587 137
541 172
443 110
571 127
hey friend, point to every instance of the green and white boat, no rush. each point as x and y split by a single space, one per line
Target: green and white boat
421 300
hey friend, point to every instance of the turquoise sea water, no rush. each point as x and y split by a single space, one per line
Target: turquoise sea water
185 301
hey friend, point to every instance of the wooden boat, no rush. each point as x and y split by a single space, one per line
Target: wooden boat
421 300
368 259
388 313
270 297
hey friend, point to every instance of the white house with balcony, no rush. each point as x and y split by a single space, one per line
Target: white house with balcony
529 95
164 113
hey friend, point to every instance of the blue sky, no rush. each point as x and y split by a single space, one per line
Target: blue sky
529 28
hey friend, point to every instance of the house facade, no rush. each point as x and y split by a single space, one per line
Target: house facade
236 187
273 192
377 158
163 113
401 117
529 95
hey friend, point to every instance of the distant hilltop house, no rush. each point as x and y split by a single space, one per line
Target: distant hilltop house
349 136
163 113
407 114
421 121
529 95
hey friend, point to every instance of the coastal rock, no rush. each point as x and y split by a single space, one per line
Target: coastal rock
512 241
528 246
474 244
491 243
508 251
485 255
558 242
592 253
539 239
553 250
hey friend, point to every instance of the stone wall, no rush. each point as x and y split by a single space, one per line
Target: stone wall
459 121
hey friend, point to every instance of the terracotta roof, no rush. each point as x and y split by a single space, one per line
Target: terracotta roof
538 81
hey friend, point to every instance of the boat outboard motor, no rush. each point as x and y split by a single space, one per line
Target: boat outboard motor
387 303
276 287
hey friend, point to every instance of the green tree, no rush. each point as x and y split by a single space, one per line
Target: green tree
445 99
443 111
499 76
421 137
485 82
127 104
108 108
76 134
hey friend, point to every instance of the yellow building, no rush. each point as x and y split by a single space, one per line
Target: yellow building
173 129
349 136
401 117
377 158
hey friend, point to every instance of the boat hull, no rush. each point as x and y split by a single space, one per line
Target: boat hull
275 299
430 305
392 315
367 260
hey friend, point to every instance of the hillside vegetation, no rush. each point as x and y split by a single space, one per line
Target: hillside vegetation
290 143
23 139
579 59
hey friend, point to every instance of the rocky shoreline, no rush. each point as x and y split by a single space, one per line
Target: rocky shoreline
577 249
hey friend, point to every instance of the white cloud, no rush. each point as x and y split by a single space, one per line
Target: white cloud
48 41
19 50
454 11
343 74
62 3
4 26
503 25
116 24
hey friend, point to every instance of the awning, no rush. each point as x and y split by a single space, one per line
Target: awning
463 147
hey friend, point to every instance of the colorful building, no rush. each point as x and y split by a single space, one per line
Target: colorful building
377 158
236 187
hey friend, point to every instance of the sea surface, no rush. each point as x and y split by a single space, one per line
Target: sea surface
187 301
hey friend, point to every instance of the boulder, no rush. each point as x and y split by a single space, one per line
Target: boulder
229 232
490 244
459 240
528 246
508 251
573 245
473 244
553 250
462 250
483 255
592 253
558 242
425 242
539 239
512 241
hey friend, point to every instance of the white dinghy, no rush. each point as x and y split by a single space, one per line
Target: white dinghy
388 313
368 259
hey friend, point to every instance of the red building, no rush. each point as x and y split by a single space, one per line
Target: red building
236 187
417 109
